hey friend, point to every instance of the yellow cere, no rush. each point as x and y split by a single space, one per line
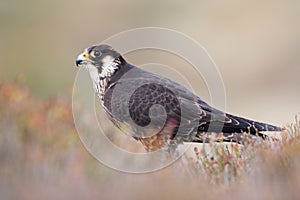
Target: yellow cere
86 55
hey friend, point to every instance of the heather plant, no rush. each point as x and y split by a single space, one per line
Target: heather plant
41 156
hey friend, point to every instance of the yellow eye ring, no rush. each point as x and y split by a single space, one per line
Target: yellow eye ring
95 53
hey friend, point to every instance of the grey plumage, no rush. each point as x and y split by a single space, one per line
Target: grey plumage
156 110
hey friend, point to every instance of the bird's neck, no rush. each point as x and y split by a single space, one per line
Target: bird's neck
109 75
110 68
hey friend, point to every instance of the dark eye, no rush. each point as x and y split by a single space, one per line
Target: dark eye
95 53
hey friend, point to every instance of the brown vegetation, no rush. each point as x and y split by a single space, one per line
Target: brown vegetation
41 157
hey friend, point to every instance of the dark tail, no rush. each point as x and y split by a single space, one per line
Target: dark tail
239 124
232 129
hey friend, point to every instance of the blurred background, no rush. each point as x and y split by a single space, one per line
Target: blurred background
255 44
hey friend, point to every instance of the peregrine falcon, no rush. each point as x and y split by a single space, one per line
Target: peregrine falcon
156 110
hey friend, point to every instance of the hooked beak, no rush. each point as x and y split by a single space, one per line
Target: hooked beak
83 58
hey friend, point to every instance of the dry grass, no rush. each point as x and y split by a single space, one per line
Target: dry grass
41 157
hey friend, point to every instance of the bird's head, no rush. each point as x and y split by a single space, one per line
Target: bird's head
100 59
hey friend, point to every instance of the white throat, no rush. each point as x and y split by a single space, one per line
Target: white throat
95 78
